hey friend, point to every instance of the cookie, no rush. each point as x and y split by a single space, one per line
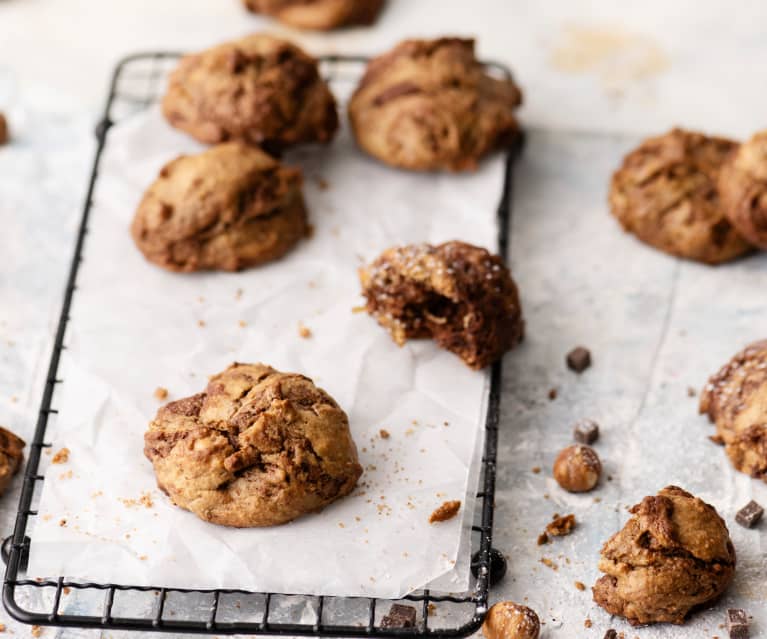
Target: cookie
319 15
671 557
260 90
256 448
11 457
743 189
509 620
430 104
230 207
665 193
735 400
460 295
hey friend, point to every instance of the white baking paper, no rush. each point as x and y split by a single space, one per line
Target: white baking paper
135 327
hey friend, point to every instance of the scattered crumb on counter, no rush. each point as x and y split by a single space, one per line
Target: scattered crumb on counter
548 563
561 526
552 394
536 469
384 433
201 323
580 585
587 623
61 457
304 331
36 631
358 309
144 500
446 511
691 392
161 393
322 183
543 538
63 523
66 590
238 294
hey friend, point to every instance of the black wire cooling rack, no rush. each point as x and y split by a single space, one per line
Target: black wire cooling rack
136 84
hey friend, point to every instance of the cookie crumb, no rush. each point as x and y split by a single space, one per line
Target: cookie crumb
304 331
691 392
536 469
66 590
384 434
4 134
561 526
145 500
161 393
358 309
61 457
322 184
36 631
242 323
579 585
717 439
201 323
238 294
587 623
63 523
578 359
552 394
447 510
548 563
543 538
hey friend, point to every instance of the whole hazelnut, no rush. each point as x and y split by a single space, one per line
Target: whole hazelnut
577 468
507 620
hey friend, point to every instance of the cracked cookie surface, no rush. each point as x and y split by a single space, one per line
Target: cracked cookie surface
320 15
743 188
460 295
672 556
665 193
259 89
230 207
257 448
430 105
735 400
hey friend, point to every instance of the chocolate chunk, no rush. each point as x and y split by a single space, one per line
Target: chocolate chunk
737 623
552 394
586 431
611 634
399 617
4 136
579 359
750 514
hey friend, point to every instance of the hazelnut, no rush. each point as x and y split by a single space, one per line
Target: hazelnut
577 468
507 620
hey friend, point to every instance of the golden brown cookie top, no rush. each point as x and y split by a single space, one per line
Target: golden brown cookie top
203 210
743 185
460 295
321 15
673 522
665 193
430 104
257 448
258 89
735 397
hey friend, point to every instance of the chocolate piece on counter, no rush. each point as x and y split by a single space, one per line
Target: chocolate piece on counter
399 617
737 623
579 359
750 514
552 394
586 431
611 634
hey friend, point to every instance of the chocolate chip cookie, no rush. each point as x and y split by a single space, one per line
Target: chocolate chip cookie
672 556
320 15
260 89
256 448
460 295
230 207
430 104
11 457
743 189
735 399
666 194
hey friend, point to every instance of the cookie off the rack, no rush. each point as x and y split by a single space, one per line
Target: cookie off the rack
259 89
461 296
319 15
256 448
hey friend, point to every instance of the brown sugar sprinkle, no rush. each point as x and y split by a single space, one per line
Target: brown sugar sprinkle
61 457
161 393
561 526
303 331
580 585
384 433
36 631
548 563
447 510
144 500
